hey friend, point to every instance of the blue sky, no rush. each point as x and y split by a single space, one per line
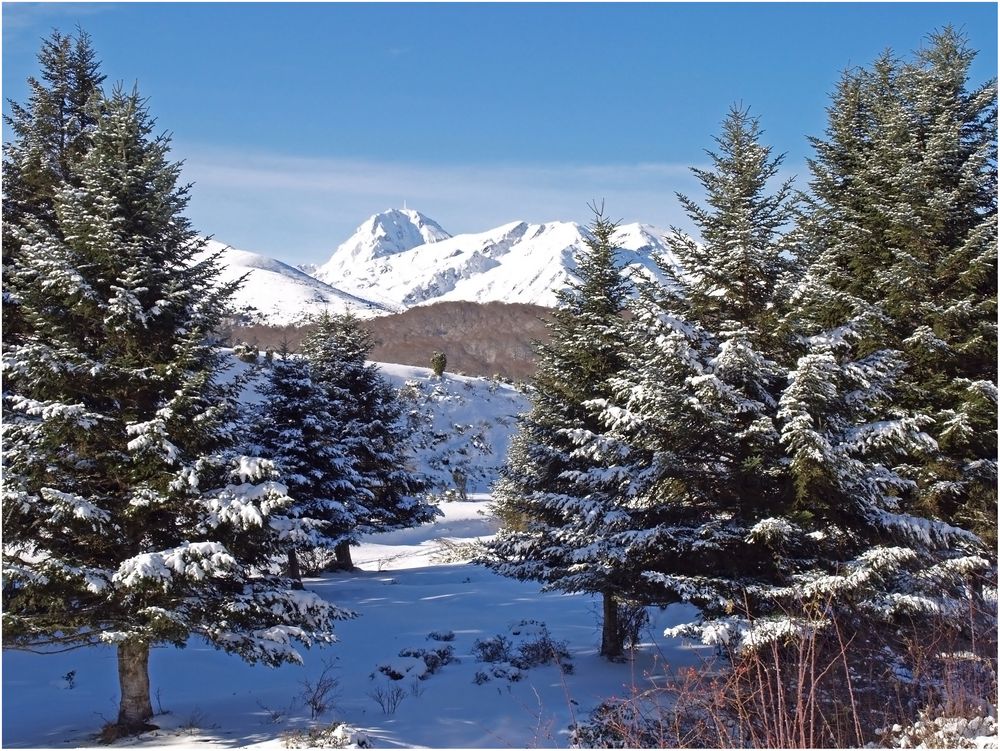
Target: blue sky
297 121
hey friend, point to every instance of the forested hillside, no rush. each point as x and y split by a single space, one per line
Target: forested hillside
481 339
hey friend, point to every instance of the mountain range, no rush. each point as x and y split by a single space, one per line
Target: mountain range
400 258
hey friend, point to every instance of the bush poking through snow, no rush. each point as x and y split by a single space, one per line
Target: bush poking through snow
274 716
452 551
493 649
434 659
246 352
113 731
315 561
528 645
338 735
632 619
942 729
418 662
441 636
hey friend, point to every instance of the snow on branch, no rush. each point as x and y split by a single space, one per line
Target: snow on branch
70 505
927 531
76 414
196 560
152 436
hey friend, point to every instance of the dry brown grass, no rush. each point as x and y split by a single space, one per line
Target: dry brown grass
848 685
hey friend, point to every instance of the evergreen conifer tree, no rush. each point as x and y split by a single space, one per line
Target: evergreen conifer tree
51 132
439 361
735 275
746 490
296 428
689 424
128 519
371 433
549 482
903 212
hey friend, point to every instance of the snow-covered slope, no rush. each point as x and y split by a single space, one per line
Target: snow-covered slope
276 293
516 262
461 425
382 235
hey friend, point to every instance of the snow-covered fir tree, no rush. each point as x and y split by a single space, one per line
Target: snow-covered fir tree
735 274
128 519
734 288
372 434
563 499
51 132
903 211
748 481
296 427
689 427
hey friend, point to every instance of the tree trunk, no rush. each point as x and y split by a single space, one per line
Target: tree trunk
133 679
293 570
343 553
611 638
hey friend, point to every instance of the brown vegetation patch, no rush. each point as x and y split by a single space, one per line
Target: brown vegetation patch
479 339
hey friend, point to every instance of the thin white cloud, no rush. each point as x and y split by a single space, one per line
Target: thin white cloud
299 209
319 202
30 19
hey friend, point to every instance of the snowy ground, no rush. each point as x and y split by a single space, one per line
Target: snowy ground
403 593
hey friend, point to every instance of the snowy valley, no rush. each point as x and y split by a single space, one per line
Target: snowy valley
733 489
414 594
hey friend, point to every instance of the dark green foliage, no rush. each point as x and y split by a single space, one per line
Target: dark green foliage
689 429
52 132
548 483
735 274
902 223
371 435
439 361
297 427
116 426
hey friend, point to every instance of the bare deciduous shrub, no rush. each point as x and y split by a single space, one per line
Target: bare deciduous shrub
388 697
452 551
320 693
494 649
274 716
435 659
314 561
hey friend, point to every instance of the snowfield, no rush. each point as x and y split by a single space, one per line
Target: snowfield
404 592
276 293
411 671
410 584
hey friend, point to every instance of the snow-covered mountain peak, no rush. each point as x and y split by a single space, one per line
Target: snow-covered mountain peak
384 234
396 230
400 258
517 262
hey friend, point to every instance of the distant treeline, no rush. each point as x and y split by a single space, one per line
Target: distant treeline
481 339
